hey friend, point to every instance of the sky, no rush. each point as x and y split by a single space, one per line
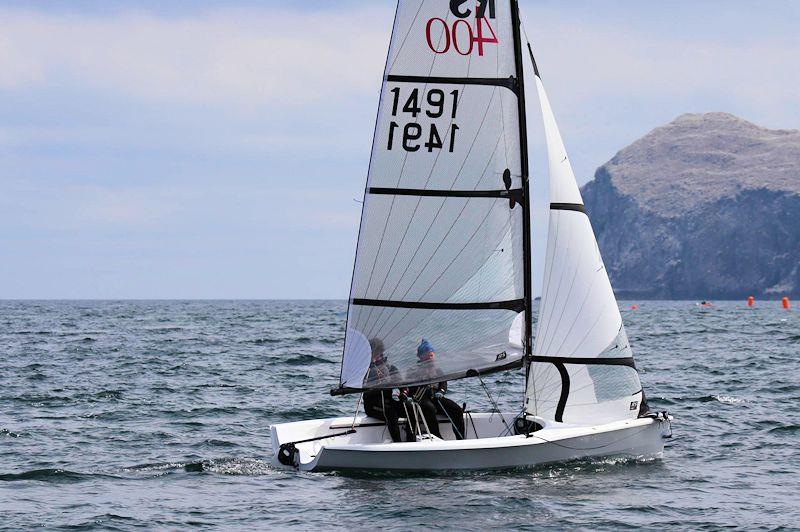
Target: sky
218 149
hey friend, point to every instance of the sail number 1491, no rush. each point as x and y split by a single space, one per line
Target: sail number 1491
412 135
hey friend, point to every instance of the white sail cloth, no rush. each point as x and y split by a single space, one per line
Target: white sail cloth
440 250
583 366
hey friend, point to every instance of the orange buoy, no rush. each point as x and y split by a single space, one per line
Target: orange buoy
785 302
634 307
751 301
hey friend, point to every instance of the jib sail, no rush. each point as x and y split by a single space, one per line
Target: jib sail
442 250
582 369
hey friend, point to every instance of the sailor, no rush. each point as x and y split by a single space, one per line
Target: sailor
380 403
430 397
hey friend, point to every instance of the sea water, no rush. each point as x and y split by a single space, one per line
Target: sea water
128 414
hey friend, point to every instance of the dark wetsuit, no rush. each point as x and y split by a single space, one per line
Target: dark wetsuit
425 397
379 403
431 405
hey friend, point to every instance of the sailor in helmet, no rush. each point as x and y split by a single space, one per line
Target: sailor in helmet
380 403
430 397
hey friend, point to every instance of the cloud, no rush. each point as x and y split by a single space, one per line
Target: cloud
231 57
282 56
590 61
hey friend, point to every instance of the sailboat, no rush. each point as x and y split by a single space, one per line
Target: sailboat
444 254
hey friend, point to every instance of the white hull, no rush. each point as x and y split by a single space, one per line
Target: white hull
370 449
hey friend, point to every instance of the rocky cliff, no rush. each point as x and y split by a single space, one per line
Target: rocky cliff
707 206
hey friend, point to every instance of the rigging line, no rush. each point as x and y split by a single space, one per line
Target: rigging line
400 175
455 430
418 413
508 429
494 403
502 386
530 52
436 215
524 31
358 405
408 226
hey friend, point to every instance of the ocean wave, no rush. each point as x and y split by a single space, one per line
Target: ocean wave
785 429
55 475
729 399
726 399
300 360
262 341
220 466
106 522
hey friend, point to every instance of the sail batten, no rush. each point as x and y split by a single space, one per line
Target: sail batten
511 193
509 82
441 253
516 304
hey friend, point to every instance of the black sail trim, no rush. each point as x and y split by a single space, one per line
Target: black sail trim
517 305
509 82
515 193
567 207
533 62
516 364
560 364
588 361
562 400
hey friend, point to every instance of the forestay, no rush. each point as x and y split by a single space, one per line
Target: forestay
441 249
582 369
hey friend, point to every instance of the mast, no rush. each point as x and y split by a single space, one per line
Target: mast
526 210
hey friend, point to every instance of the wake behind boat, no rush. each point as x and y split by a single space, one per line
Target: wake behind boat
444 259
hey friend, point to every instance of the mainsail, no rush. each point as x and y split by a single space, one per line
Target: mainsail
582 368
443 246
